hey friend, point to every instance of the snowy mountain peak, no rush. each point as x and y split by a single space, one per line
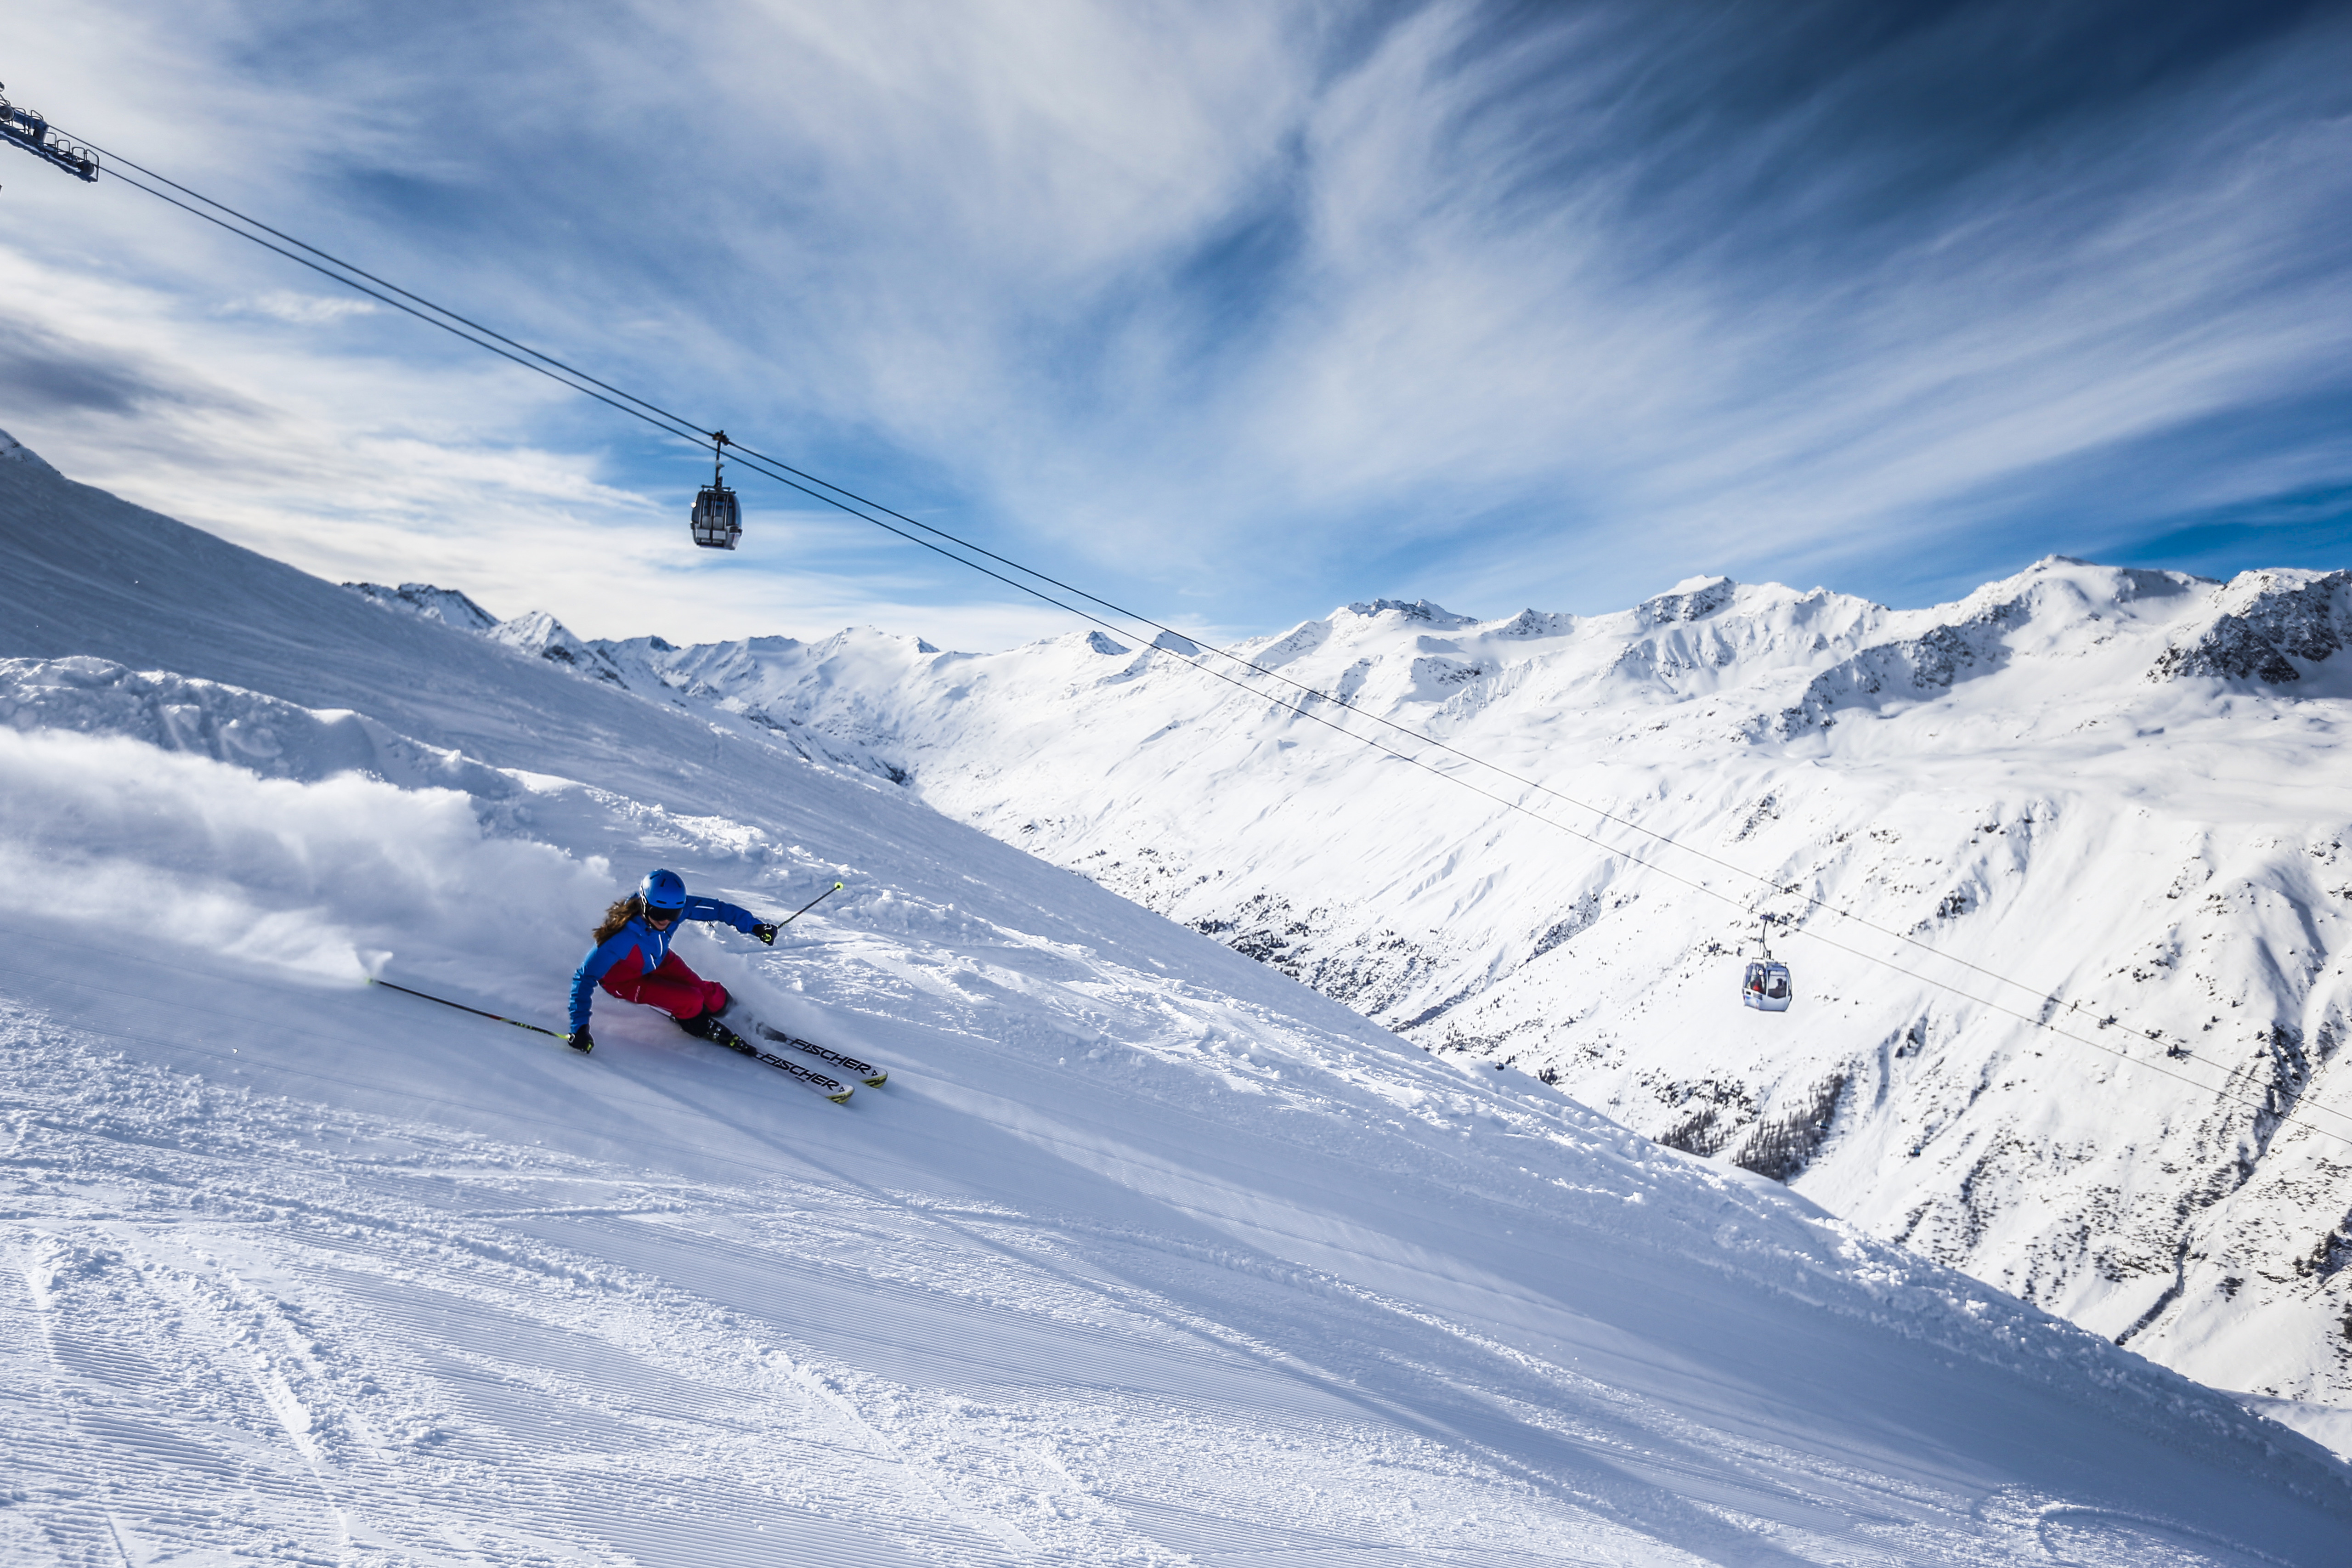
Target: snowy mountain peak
542 636
1531 622
1692 599
15 451
2060 589
2266 626
423 600
1413 610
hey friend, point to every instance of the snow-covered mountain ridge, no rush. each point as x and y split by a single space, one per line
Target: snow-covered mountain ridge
2121 788
1146 1255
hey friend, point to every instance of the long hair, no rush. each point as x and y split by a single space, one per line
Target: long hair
622 911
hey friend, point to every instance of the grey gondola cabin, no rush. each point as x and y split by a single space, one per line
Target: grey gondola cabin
717 520
1767 985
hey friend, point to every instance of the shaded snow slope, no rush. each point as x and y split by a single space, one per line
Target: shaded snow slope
2120 788
1146 1254
88 573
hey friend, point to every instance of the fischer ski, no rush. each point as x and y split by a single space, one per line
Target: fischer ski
865 1072
720 1034
838 1093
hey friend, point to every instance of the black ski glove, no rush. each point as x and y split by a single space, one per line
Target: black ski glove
579 1040
765 933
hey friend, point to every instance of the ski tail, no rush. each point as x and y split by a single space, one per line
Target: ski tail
865 1072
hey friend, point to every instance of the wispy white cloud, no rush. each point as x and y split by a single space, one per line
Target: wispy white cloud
1238 307
305 310
1685 384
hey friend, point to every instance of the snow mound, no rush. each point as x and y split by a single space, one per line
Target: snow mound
226 723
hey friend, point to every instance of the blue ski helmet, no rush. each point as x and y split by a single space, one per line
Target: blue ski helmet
663 890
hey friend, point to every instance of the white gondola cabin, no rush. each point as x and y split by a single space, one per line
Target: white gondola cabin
1767 985
717 520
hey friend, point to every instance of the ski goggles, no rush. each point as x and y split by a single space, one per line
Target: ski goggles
665 916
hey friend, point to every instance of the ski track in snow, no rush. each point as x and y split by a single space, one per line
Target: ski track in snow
1146 1255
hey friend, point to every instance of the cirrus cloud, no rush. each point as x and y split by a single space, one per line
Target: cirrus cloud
1234 310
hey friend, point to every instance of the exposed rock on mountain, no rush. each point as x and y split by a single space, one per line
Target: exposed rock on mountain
425 602
2267 627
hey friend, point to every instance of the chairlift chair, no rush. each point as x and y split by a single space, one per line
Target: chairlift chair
29 128
1767 985
717 520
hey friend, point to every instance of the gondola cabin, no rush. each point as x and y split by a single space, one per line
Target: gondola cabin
1767 986
717 520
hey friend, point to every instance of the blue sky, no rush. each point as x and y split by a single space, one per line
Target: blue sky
1233 311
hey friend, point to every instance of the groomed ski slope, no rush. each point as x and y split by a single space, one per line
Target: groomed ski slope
1145 1255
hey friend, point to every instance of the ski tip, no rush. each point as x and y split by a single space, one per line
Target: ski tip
843 1098
877 1080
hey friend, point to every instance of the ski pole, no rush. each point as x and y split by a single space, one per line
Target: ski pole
807 907
518 1023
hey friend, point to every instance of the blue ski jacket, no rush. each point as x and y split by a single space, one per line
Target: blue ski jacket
651 947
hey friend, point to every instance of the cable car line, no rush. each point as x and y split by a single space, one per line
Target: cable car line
830 494
685 431
580 381
581 376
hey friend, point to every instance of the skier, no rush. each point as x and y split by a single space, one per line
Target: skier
633 960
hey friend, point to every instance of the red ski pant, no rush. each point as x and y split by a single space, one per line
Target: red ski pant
673 988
